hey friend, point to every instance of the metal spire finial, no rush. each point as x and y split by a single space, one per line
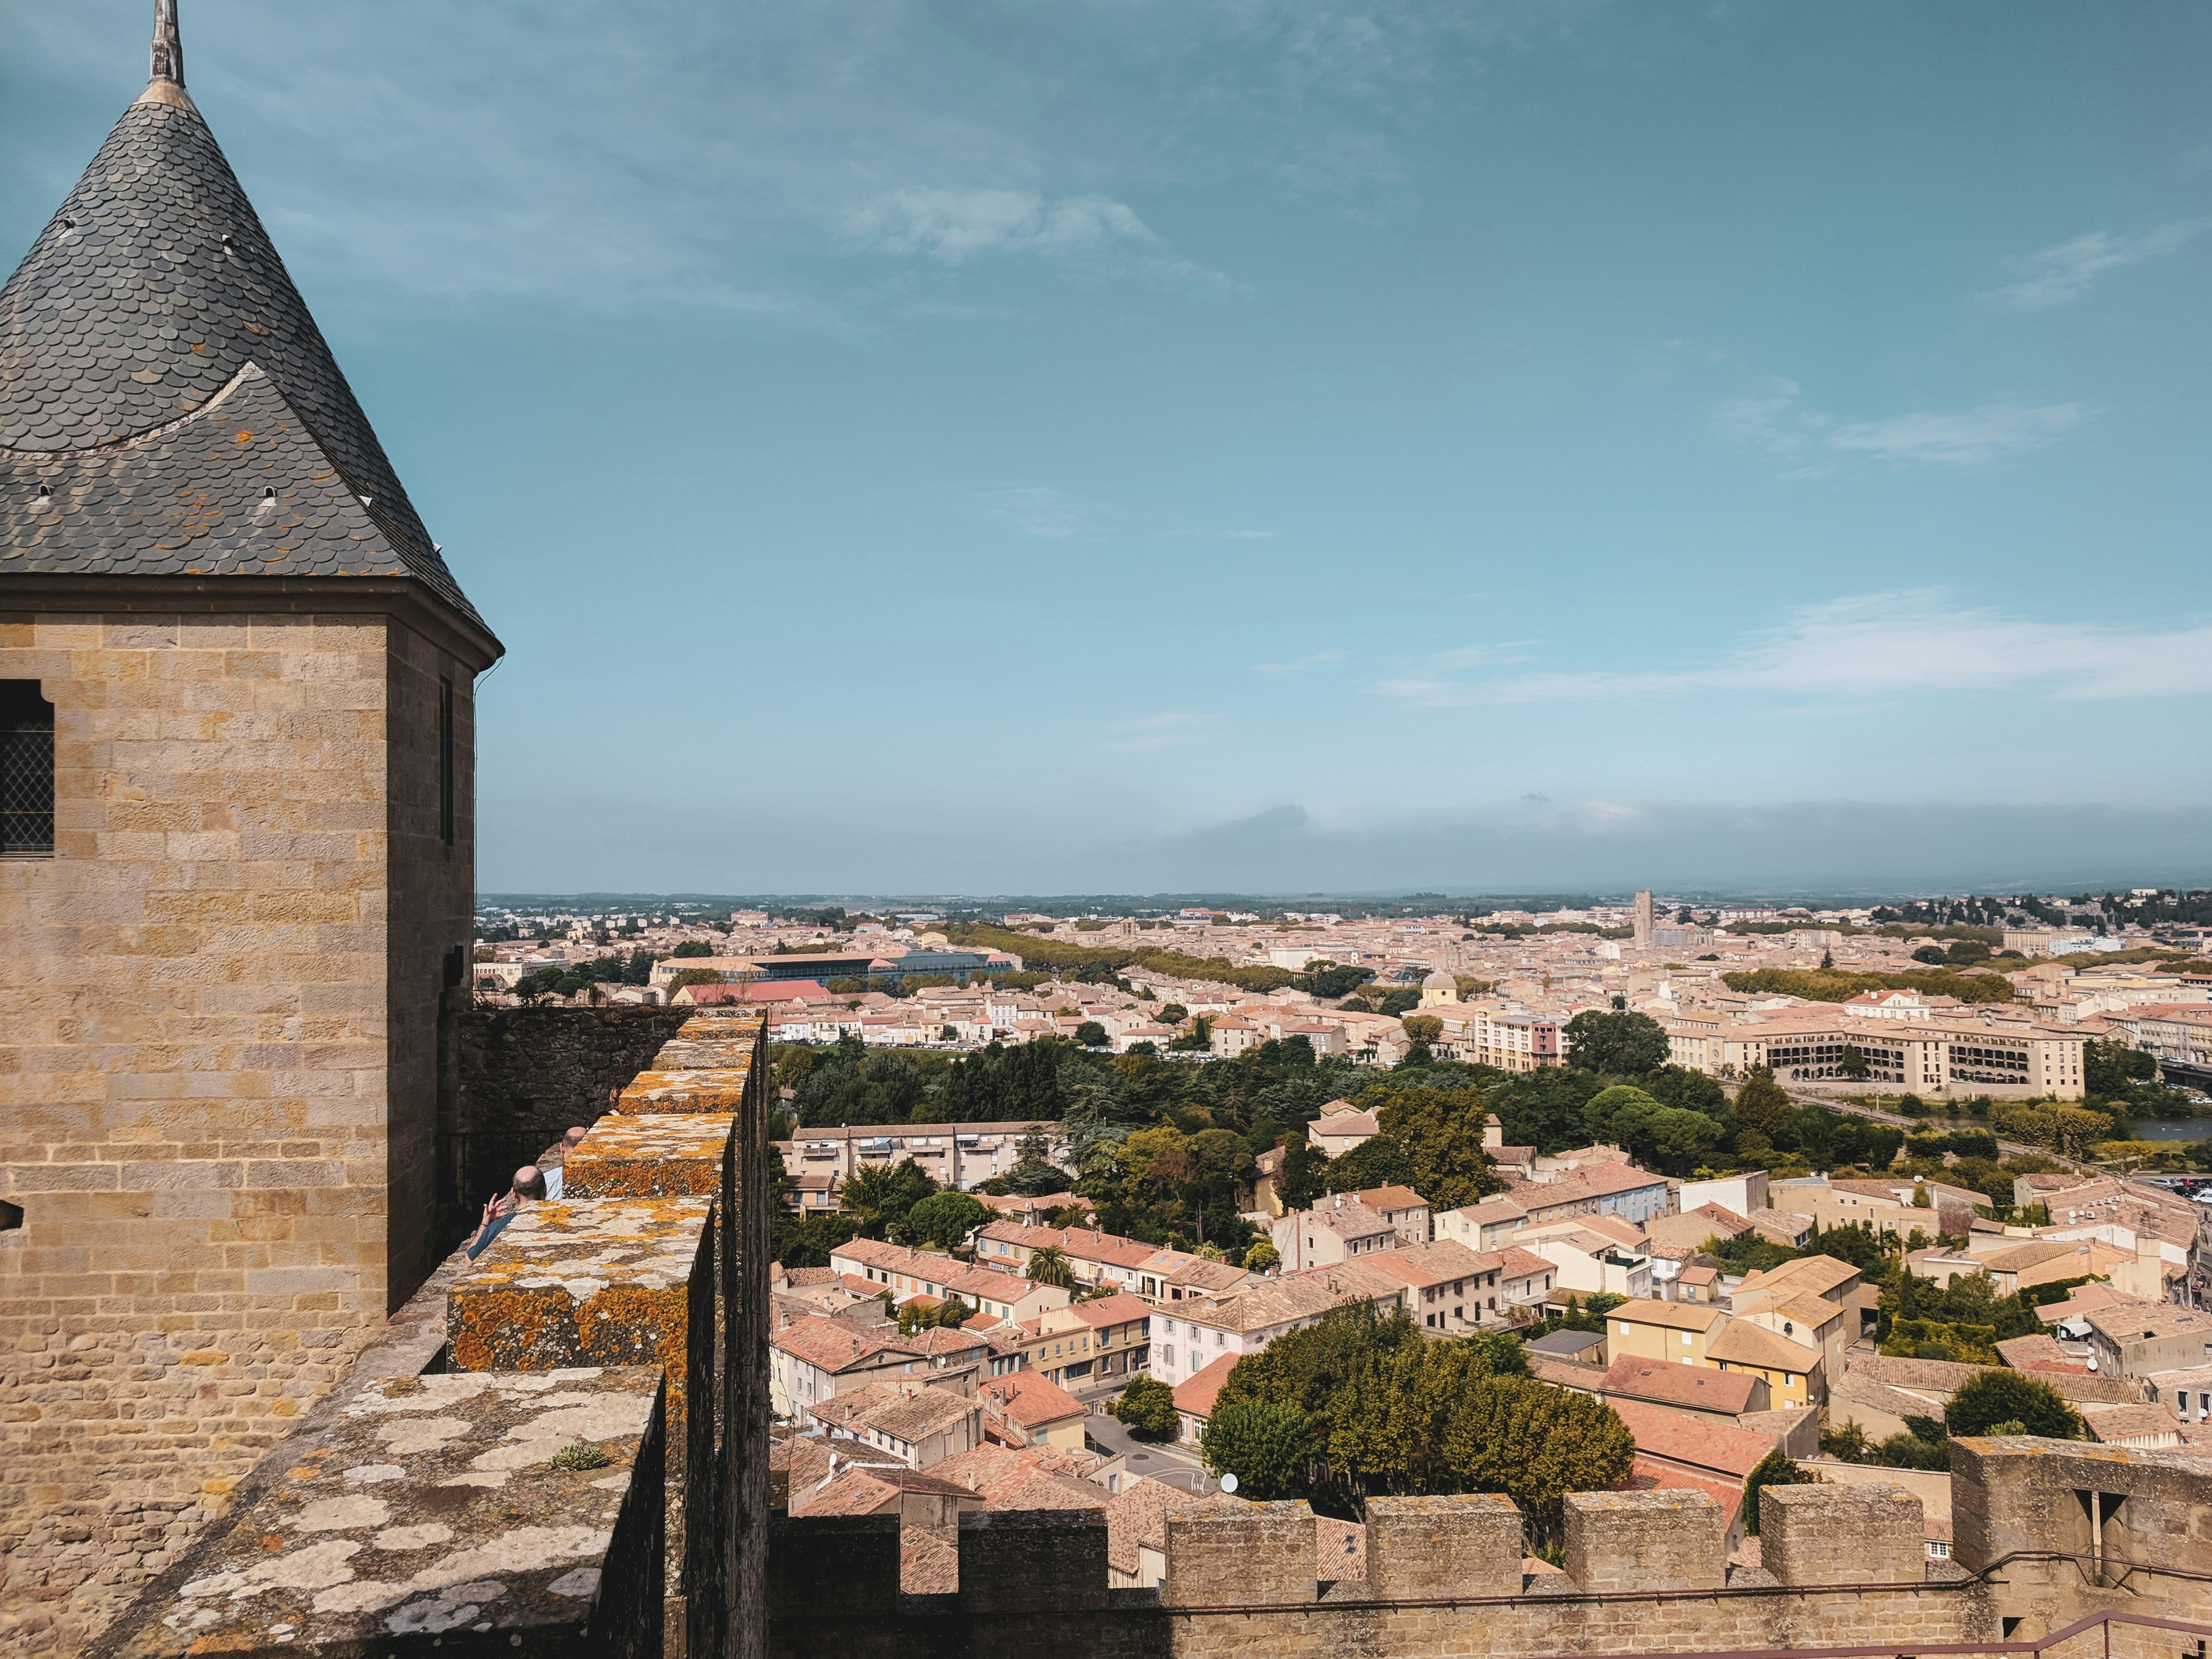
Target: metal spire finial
168 44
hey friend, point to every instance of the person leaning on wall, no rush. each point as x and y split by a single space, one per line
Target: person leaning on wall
528 1188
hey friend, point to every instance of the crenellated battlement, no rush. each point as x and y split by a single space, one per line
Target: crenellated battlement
1646 1572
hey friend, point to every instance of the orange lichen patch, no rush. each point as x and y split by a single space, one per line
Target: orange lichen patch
721 1090
649 1155
590 1282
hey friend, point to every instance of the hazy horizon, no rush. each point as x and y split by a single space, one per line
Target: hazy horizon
941 444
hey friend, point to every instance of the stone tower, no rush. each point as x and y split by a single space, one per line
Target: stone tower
1645 920
236 863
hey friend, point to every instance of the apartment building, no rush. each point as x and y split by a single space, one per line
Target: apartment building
1918 1049
2178 1036
1502 1035
1449 1287
1337 1228
1192 1335
1090 1343
958 1155
908 1273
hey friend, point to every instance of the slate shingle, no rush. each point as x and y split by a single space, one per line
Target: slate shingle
144 301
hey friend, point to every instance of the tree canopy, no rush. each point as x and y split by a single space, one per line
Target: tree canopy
1390 1411
2011 1402
1147 1405
1616 1044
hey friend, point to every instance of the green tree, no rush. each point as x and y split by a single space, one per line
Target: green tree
1262 1257
693 947
1440 1130
1266 1444
1761 1107
1774 1470
1616 1044
917 1315
1091 1034
1034 1173
1305 1170
1048 1264
1998 1397
1379 1161
1148 1406
946 1219
881 1194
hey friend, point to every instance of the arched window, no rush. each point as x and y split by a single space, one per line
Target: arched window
27 771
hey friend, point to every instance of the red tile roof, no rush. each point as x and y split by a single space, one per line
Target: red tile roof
1194 1394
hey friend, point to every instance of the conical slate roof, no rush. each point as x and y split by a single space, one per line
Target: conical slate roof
151 348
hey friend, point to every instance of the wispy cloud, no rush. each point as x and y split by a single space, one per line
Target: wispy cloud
1883 645
1040 510
1095 234
1318 659
1987 433
1187 531
1777 420
2059 275
1156 731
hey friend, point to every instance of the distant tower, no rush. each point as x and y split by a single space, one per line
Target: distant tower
237 816
1643 918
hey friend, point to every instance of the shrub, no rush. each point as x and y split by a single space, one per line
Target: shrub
1148 1406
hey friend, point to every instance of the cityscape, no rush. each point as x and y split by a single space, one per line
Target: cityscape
1289 830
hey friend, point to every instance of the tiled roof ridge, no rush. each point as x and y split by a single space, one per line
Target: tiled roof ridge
149 290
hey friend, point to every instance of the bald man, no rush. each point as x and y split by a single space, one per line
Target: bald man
529 1187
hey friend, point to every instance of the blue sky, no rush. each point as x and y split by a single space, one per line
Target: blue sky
1037 447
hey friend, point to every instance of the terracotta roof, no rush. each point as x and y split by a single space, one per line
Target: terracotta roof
1674 1316
1120 1308
1746 1344
1031 1399
929 1565
1424 1266
1339 1550
1194 1395
1606 1179
1699 1386
1942 1376
999 1471
1820 1274
1652 1474
2117 1423
2040 1352
925 1412
1137 1516
845 1409
1705 1442
833 1345
1391 1198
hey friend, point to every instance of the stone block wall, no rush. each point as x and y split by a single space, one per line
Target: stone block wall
649 1155
2080 1527
1645 1541
200 1076
1240 1581
609 1282
537 1071
1423 1548
430 701
1823 1535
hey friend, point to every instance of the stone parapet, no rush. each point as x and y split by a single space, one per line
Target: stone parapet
649 1155
1855 1534
1645 1541
1035 1561
720 1089
608 1281
1222 1551
471 1513
1419 1547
